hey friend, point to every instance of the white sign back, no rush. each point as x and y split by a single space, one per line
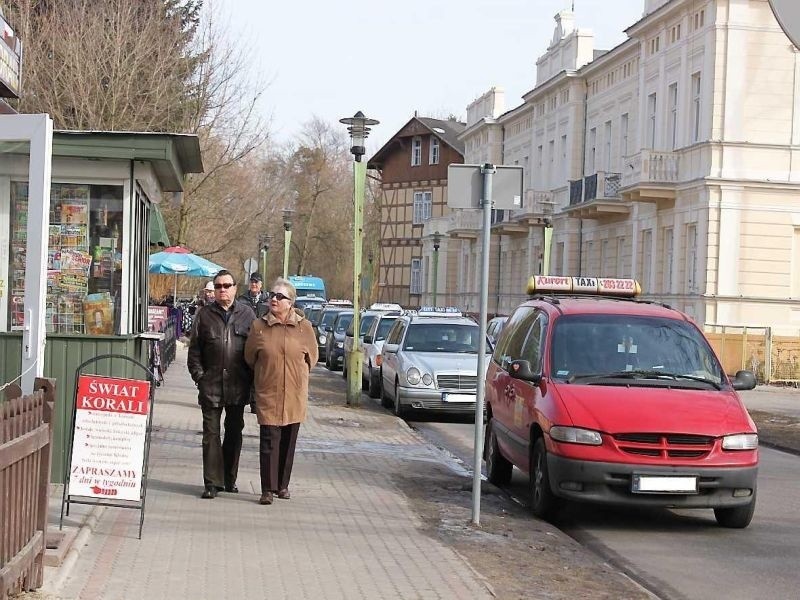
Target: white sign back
465 187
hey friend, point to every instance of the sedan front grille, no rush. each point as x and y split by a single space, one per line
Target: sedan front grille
665 445
457 382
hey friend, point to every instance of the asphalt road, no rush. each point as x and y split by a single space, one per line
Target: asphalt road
682 554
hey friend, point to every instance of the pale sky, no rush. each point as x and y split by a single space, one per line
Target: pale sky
331 58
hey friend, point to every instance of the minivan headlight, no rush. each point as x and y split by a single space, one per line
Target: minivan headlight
322 339
740 441
576 435
413 375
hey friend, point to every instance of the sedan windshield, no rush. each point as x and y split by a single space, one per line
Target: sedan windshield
328 317
442 337
591 346
384 326
366 323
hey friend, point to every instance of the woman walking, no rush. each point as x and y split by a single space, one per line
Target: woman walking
281 349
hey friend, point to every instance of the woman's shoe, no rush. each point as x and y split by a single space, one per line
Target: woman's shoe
265 498
284 494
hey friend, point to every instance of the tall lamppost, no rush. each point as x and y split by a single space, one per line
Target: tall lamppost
287 238
368 287
437 240
358 127
264 242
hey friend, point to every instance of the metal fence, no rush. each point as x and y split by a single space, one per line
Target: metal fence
26 437
773 358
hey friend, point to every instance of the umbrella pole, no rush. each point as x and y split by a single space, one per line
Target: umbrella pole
175 292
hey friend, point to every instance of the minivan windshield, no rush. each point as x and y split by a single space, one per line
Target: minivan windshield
597 345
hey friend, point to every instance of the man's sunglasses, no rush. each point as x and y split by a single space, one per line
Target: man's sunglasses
279 296
220 286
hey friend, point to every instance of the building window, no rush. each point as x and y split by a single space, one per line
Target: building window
699 19
651 120
607 142
434 151
416 276
416 151
422 207
623 135
564 157
668 260
696 107
691 258
654 45
592 151
647 257
675 33
84 259
673 115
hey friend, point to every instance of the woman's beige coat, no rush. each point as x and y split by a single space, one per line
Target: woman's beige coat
281 356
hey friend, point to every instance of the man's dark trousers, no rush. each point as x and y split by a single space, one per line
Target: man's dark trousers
221 458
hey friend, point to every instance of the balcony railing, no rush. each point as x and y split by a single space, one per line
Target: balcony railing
650 166
590 187
575 192
600 185
465 220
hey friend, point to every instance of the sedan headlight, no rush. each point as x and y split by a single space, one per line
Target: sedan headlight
413 375
322 340
576 435
740 441
427 379
340 344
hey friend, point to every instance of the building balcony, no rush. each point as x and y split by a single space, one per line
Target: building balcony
651 176
537 210
465 223
597 196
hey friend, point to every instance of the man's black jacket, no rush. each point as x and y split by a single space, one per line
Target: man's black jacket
216 355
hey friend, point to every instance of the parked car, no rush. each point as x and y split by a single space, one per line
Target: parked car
366 320
494 327
373 345
430 363
334 353
609 400
325 320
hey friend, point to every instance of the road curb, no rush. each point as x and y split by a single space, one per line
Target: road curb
58 575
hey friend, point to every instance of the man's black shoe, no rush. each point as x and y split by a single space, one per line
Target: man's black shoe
232 489
209 493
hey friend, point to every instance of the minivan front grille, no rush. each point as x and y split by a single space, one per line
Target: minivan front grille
457 382
665 445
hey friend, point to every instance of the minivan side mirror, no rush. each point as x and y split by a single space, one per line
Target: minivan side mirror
390 348
367 339
744 380
521 369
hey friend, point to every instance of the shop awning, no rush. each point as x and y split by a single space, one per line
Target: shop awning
158 230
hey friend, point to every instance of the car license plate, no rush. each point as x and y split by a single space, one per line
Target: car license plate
668 484
450 397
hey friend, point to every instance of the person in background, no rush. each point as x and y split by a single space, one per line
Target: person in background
216 364
281 350
207 294
255 296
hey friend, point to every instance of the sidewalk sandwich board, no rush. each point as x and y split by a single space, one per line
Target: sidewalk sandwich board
109 440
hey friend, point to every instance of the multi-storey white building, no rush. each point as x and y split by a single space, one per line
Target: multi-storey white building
673 158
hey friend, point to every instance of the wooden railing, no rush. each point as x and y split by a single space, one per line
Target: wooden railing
26 436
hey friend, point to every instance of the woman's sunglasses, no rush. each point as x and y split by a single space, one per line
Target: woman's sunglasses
279 296
219 286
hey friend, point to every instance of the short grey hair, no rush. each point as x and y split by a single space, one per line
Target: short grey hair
280 281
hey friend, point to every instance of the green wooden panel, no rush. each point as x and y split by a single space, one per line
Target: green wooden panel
63 355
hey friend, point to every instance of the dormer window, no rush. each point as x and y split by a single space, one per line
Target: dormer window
416 151
434 151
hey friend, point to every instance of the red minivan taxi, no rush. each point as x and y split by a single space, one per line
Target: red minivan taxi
604 398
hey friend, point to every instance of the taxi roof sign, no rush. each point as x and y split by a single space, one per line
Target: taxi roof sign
385 306
601 286
439 311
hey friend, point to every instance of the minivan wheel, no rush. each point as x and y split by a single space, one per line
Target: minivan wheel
542 499
373 384
498 469
737 517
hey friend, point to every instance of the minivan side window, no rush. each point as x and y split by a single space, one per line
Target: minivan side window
510 345
532 347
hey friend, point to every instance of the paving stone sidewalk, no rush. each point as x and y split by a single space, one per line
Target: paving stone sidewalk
347 532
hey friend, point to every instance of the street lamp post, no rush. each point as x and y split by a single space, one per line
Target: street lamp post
368 287
264 242
437 240
287 239
358 127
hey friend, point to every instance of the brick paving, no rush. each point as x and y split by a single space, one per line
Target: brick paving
348 531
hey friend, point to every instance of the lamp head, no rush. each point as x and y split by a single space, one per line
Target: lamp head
287 219
358 127
437 240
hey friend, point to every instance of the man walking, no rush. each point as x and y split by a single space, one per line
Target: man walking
216 364
256 297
